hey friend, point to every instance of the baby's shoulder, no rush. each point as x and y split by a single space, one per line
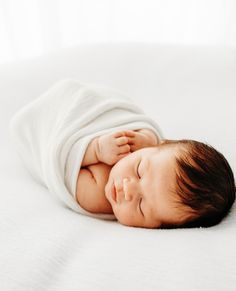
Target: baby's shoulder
90 191
100 172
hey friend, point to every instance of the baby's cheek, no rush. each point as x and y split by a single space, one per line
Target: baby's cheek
124 215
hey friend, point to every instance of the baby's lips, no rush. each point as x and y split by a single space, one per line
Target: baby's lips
113 192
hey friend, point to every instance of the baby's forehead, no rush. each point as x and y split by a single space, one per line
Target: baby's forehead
171 149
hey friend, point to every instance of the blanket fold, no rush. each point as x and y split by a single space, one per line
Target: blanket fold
51 133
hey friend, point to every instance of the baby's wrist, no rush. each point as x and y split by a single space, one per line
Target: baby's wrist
90 156
97 150
153 139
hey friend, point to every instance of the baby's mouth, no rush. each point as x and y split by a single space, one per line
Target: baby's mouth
113 192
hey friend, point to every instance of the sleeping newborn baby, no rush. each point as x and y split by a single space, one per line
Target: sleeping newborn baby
150 183
102 156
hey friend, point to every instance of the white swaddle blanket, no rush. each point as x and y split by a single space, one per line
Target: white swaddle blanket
51 133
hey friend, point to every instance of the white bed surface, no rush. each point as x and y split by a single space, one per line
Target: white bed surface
45 246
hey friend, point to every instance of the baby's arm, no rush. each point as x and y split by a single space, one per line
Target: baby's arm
141 138
110 148
90 188
90 156
101 152
107 148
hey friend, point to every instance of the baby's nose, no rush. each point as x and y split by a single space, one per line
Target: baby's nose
129 189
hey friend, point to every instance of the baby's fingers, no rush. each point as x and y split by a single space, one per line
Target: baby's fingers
122 140
118 134
130 133
124 149
133 148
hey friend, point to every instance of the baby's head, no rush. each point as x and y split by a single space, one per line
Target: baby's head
181 183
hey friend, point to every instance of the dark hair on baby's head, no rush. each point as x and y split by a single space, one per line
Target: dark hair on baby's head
204 182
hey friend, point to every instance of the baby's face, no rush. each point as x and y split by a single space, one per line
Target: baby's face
141 187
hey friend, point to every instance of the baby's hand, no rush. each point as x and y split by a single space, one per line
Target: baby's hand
141 139
112 147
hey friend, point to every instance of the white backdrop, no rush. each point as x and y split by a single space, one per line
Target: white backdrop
33 27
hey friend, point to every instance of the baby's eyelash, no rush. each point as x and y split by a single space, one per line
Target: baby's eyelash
140 201
138 169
